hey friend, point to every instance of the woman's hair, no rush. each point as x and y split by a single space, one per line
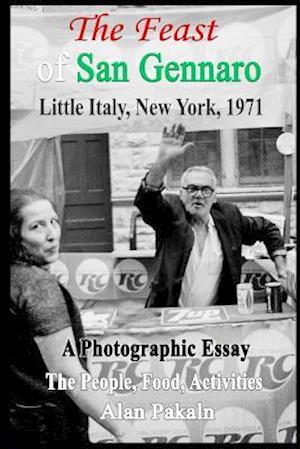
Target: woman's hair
18 199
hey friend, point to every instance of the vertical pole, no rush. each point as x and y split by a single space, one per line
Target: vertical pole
287 198
288 184
229 155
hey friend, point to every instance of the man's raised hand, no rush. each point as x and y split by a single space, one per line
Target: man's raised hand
171 145
170 148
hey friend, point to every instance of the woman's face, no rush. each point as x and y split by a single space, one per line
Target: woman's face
40 231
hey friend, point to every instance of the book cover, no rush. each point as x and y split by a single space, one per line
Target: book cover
92 88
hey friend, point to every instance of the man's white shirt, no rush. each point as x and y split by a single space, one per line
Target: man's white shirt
203 273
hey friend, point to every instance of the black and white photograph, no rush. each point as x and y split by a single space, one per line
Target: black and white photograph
153 232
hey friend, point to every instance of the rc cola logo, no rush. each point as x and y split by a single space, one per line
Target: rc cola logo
92 276
110 52
271 357
150 431
233 425
230 46
286 429
258 280
60 270
28 48
130 276
193 370
120 357
161 430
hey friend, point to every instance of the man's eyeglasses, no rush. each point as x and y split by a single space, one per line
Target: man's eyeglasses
206 191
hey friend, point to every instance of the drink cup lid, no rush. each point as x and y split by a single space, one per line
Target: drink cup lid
273 284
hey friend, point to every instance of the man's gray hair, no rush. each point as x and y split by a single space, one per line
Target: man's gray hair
199 168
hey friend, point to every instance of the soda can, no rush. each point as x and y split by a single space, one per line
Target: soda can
274 297
245 298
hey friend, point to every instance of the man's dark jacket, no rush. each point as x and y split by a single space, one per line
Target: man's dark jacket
175 238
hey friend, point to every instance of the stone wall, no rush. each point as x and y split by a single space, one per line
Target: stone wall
130 157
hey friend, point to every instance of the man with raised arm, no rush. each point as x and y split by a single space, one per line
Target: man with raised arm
199 239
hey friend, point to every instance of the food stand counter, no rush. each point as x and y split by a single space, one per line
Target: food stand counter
225 395
122 279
